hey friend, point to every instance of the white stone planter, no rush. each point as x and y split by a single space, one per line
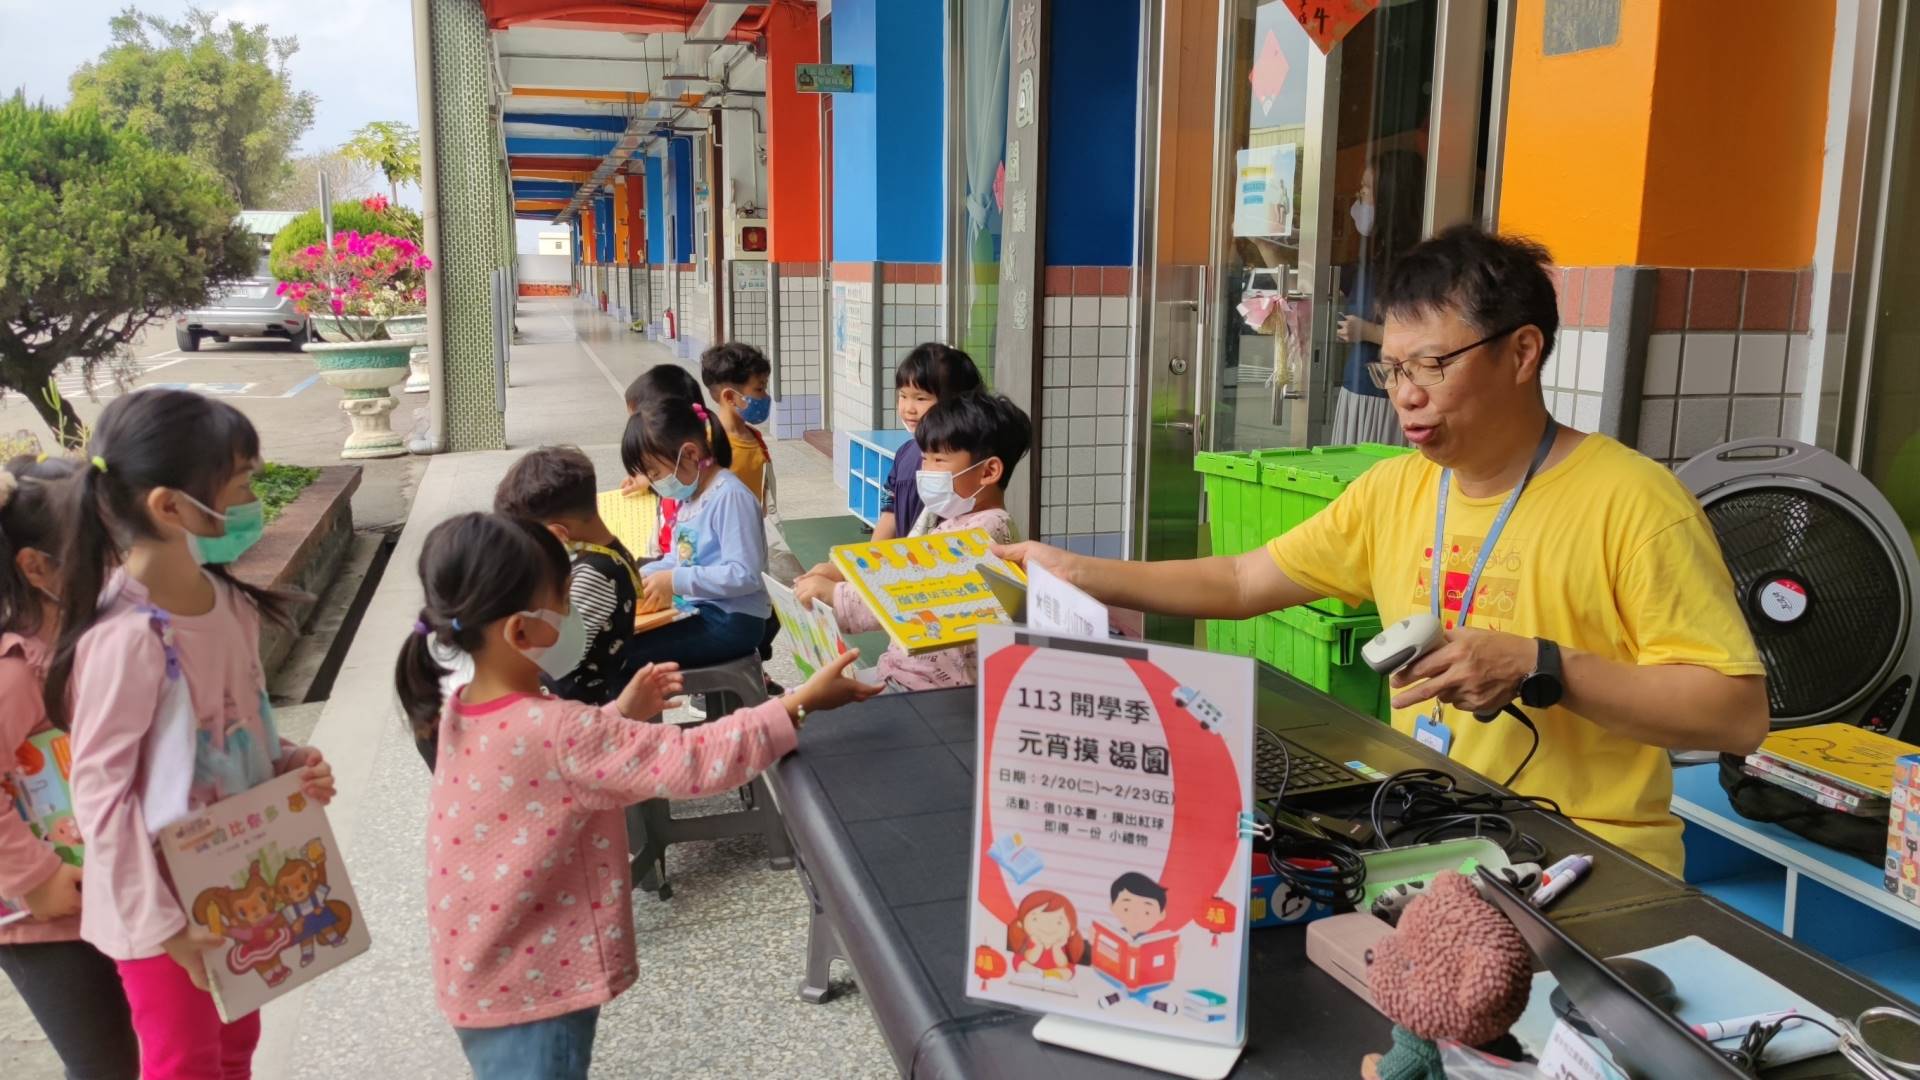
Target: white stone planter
419 375
366 372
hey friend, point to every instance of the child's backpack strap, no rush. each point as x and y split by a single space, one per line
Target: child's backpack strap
169 750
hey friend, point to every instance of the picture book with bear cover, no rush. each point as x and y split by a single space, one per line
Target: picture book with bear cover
262 871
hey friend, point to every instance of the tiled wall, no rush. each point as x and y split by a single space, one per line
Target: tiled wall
797 408
1726 359
657 293
1574 378
910 314
1085 408
747 306
850 333
643 309
695 314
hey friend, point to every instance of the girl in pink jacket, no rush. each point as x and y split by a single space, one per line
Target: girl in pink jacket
527 906
157 675
72 990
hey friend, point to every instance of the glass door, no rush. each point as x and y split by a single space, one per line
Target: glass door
1322 182
1279 184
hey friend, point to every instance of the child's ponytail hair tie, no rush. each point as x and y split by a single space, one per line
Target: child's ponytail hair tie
99 463
700 410
420 627
457 627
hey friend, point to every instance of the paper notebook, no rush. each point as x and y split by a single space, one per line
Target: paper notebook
1842 753
1712 985
634 520
262 871
927 591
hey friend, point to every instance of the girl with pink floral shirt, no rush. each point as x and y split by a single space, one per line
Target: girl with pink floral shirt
527 899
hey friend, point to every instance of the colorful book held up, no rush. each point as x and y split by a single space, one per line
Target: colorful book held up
263 872
813 629
927 591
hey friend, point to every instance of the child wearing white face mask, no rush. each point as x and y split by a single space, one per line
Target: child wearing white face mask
969 444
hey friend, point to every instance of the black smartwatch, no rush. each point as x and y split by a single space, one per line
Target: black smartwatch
1543 689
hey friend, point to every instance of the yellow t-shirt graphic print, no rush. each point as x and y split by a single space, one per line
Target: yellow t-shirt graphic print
1605 553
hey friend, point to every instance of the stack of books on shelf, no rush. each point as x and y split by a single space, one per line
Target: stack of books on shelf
1839 766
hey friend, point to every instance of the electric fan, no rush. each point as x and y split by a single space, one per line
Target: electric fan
1825 572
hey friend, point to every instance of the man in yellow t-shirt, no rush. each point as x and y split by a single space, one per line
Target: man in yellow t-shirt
1601 605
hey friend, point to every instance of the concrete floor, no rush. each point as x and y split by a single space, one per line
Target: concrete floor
719 963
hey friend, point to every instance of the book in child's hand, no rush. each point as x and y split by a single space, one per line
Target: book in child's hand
634 520
262 871
926 591
40 786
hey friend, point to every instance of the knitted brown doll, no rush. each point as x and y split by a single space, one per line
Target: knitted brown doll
1454 968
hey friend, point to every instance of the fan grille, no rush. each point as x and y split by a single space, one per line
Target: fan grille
1852 623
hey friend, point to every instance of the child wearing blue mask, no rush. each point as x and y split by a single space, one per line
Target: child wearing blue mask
718 549
736 377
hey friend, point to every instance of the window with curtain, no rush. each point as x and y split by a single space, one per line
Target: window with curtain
983 142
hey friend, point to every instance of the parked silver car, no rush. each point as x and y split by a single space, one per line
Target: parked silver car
250 307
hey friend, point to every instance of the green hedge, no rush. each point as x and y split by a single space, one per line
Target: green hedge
307 229
277 485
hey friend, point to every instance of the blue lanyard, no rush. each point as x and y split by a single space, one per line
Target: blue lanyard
1437 582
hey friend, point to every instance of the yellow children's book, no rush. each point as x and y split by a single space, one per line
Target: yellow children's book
927 590
634 520
1849 755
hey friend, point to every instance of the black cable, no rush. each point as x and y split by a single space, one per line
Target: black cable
1525 722
1343 884
1431 807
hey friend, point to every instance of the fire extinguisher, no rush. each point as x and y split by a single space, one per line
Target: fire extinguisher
671 332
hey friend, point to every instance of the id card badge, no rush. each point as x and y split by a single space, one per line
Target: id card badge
1433 733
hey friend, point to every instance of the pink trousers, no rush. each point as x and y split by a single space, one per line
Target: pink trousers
181 1034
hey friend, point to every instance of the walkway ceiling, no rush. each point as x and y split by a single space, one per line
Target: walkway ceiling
581 87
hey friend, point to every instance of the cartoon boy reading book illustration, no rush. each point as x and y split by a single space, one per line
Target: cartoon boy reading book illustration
1138 961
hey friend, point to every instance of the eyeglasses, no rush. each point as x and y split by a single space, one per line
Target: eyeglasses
1426 370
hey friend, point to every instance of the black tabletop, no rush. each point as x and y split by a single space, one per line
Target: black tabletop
879 802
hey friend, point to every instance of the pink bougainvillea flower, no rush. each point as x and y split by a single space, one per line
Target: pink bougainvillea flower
337 305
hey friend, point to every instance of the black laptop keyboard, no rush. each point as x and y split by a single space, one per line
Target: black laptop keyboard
1308 771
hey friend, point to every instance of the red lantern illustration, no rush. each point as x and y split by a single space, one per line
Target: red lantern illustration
1216 918
988 964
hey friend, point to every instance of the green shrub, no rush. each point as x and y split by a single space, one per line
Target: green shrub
307 229
278 485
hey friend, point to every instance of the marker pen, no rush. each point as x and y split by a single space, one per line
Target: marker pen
1564 880
1739 1026
1561 867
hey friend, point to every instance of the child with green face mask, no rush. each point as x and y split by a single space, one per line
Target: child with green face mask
157 674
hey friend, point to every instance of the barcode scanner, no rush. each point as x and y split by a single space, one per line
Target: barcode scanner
1417 635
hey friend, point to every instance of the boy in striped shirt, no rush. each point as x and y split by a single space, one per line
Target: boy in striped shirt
555 487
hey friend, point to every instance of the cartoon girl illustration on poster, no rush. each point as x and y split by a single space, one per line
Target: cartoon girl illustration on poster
1044 936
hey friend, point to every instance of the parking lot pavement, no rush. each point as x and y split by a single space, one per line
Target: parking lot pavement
297 415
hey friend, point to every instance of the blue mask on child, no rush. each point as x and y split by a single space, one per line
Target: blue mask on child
756 410
244 524
672 487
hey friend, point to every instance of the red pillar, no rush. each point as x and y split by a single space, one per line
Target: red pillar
635 188
793 137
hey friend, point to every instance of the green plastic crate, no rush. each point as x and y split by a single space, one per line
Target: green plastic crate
1323 651
1256 495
